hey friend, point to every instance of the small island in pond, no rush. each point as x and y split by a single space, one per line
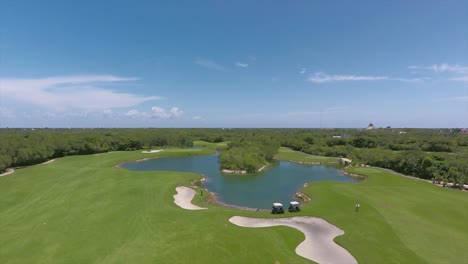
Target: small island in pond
248 155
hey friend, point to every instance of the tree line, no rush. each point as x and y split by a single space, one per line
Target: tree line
439 154
21 147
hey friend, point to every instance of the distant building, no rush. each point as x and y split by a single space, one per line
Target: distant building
464 131
371 126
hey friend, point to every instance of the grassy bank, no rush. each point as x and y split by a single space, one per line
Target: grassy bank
210 145
288 154
81 209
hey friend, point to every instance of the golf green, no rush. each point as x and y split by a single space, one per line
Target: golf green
82 209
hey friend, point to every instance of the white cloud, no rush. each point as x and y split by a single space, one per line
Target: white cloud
242 65
455 69
132 113
320 77
76 92
197 118
411 80
176 112
210 64
156 113
444 67
303 70
161 113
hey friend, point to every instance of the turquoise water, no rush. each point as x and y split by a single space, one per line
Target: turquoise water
277 183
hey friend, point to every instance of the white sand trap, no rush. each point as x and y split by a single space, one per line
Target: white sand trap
318 245
47 162
152 151
184 197
7 172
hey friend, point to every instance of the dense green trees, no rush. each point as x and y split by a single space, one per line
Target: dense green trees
439 154
425 153
249 154
20 147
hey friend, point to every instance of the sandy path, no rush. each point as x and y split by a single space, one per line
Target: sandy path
184 197
47 162
318 245
7 172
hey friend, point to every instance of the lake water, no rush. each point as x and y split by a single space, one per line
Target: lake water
277 183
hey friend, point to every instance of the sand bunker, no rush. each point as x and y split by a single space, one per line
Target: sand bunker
11 170
7 172
184 197
318 245
152 151
47 162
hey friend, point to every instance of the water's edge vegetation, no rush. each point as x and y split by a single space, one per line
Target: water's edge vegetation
438 154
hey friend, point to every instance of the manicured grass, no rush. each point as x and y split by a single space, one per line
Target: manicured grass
400 220
288 154
83 210
209 145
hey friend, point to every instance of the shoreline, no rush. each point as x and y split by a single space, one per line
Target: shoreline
243 171
232 206
359 177
309 162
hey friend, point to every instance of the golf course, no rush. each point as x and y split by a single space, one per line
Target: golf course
85 209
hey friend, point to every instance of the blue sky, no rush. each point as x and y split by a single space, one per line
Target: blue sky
233 63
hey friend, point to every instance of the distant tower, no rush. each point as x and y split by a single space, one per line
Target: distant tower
371 126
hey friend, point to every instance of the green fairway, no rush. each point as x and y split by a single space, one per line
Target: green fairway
400 220
209 145
81 209
288 154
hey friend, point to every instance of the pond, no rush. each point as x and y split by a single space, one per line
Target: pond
278 183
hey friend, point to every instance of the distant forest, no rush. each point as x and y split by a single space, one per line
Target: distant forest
439 154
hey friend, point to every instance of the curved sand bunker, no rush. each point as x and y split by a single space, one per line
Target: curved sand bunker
47 162
152 151
318 245
7 172
184 197
11 170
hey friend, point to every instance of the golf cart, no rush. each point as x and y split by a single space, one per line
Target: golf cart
277 208
294 207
